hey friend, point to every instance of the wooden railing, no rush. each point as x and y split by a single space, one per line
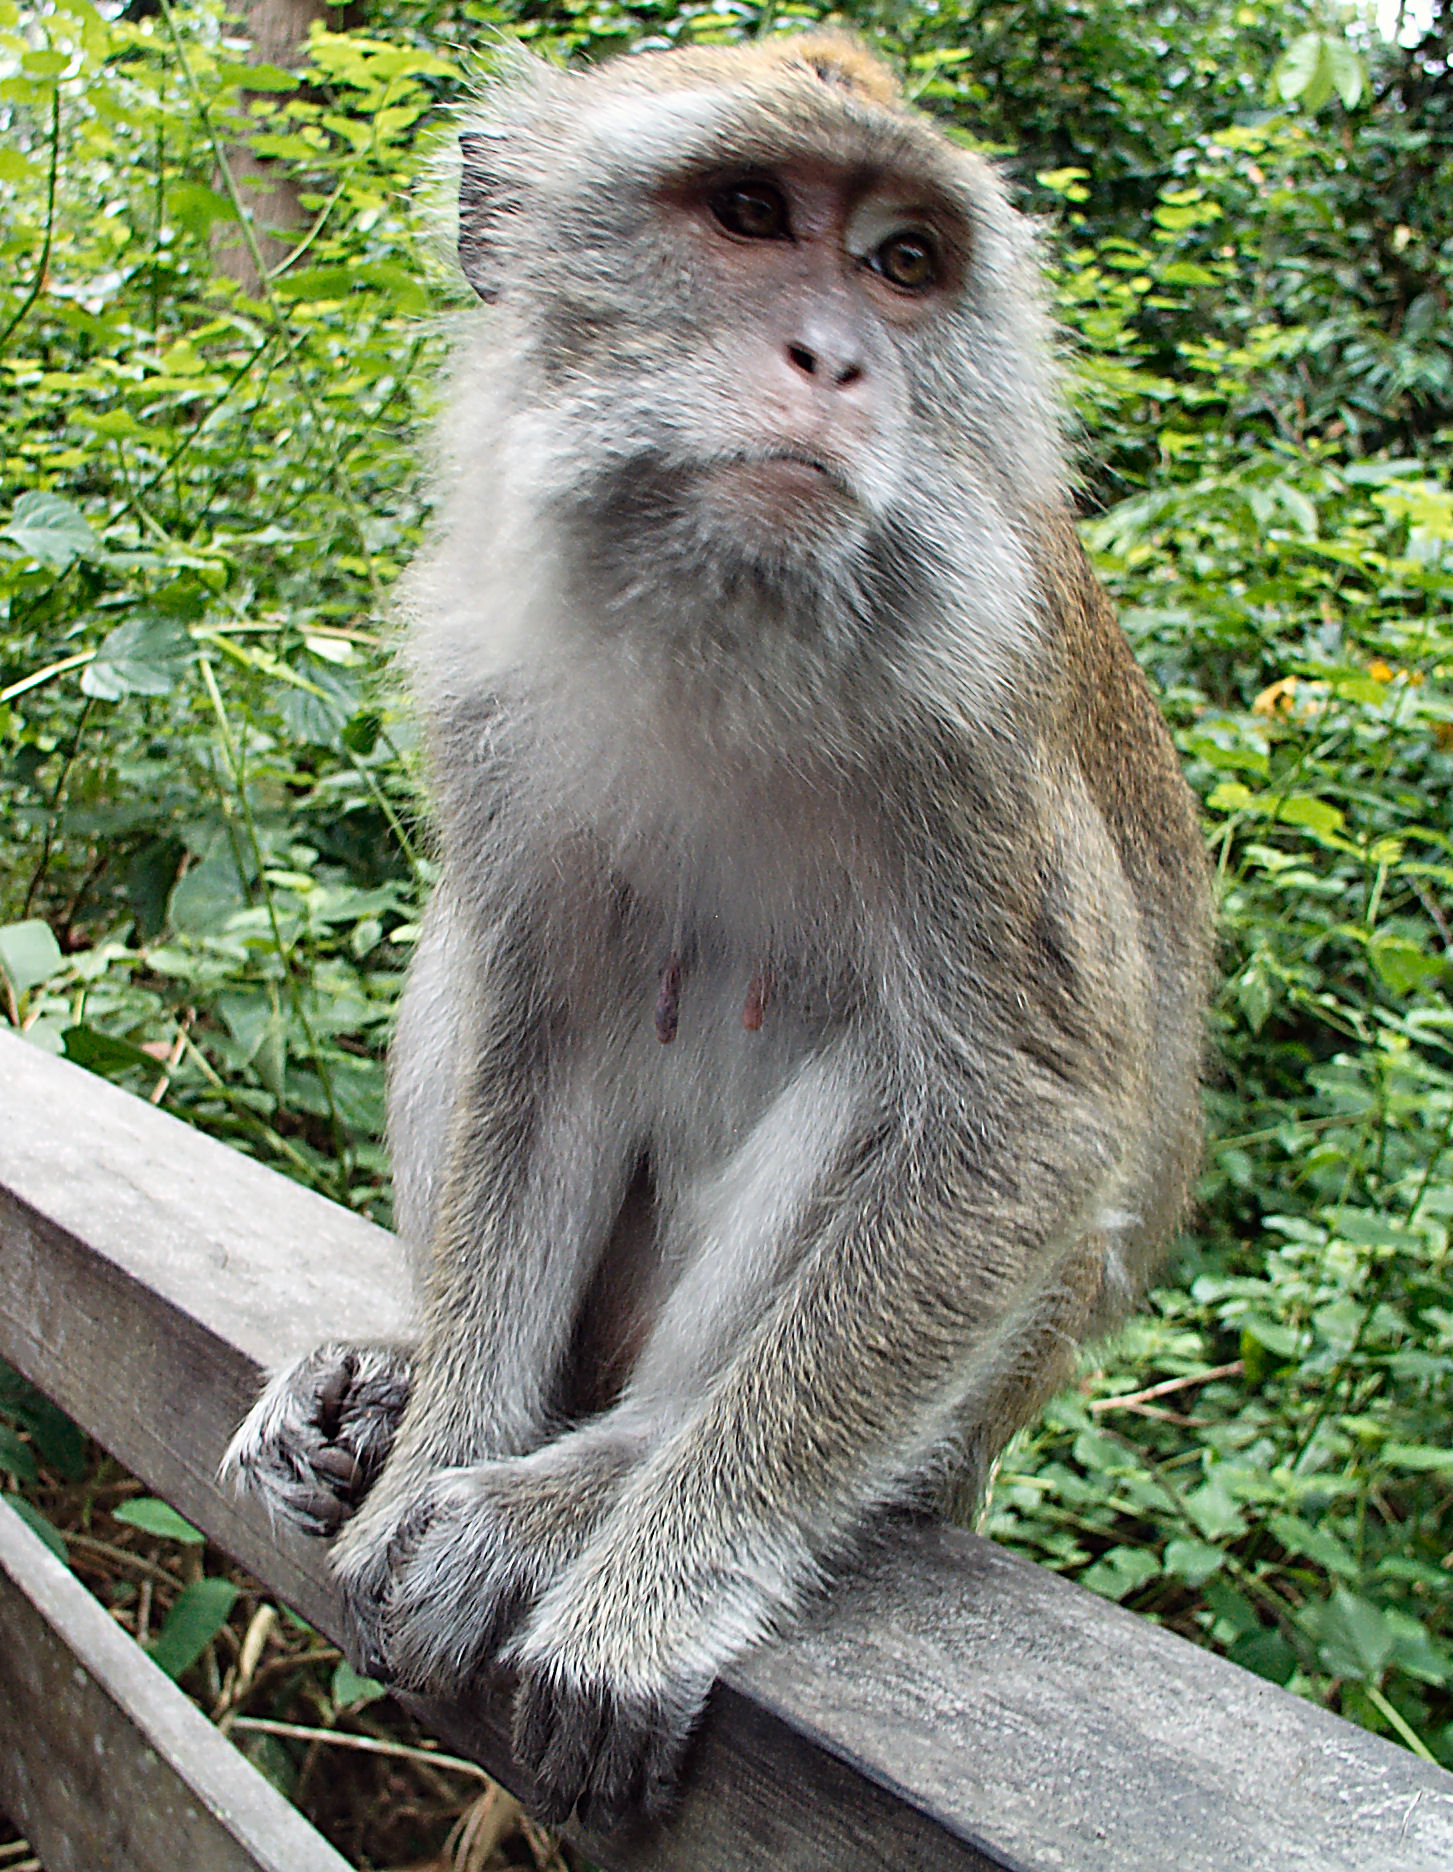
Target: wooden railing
948 1706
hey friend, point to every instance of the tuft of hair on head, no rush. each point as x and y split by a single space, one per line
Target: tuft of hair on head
835 58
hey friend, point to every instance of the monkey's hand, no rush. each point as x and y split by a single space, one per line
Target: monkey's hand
436 1584
313 1443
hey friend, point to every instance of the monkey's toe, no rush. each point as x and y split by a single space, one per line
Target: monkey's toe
613 1759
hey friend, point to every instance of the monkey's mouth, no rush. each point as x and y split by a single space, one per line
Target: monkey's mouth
781 481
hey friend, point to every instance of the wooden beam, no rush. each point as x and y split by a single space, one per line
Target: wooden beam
948 1706
103 1761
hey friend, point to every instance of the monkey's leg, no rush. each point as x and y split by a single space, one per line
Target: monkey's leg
313 1443
487 1538
835 1403
538 1170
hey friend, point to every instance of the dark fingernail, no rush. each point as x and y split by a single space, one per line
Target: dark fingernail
331 1391
338 1463
323 1509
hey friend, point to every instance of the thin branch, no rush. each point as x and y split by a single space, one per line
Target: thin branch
368 1745
1128 1400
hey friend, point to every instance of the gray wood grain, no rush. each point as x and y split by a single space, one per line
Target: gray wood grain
103 1761
948 1705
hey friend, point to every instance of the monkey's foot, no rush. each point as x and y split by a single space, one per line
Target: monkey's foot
435 1583
611 1754
314 1442
434 1588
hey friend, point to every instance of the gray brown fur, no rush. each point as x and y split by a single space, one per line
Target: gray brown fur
754 642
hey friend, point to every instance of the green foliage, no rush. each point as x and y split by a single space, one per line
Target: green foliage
209 876
158 1518
197 1615
220 490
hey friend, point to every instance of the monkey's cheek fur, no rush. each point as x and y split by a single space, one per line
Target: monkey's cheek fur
591 1748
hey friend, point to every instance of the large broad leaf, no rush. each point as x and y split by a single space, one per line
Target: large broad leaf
104 1053
1357 1640
29 954
51 530
154 1516
143 656
1317 64
205 898
194 1621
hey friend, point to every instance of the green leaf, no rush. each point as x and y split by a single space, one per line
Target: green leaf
1232 1606
103 1053
1298 1536
1231 796
260 77
51 530
157 1517
1266 1652
1402 965
1214 1511
351 1691
1284 1341
144 656
1316 815
195 207
201 1610
1296 71
60 1443
1317 64
38 1524
1421 1458
29 954
1119 1572
361 732
1192 1561
1347 72
1187 273
207 896
1356 1640
16 1457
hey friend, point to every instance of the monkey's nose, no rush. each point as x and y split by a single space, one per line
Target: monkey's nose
838 371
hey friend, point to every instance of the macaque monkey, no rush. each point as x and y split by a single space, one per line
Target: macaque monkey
801 1057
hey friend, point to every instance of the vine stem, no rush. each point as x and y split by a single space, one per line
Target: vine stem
37 285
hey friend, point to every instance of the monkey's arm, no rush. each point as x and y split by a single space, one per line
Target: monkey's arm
931 1265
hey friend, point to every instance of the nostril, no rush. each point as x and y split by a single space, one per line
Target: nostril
805 360
849 374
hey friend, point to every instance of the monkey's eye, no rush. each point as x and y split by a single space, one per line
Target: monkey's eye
908 261
755 210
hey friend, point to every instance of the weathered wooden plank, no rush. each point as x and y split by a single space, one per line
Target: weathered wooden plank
103 1761
948 1706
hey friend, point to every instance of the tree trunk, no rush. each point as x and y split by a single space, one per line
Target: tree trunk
278 31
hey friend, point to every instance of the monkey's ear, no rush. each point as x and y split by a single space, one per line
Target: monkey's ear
482 206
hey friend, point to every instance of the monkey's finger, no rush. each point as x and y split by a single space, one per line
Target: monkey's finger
332 1391
336 1462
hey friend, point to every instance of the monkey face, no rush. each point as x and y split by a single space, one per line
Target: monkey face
764 386
753 311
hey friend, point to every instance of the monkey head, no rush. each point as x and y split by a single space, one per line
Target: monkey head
758 327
